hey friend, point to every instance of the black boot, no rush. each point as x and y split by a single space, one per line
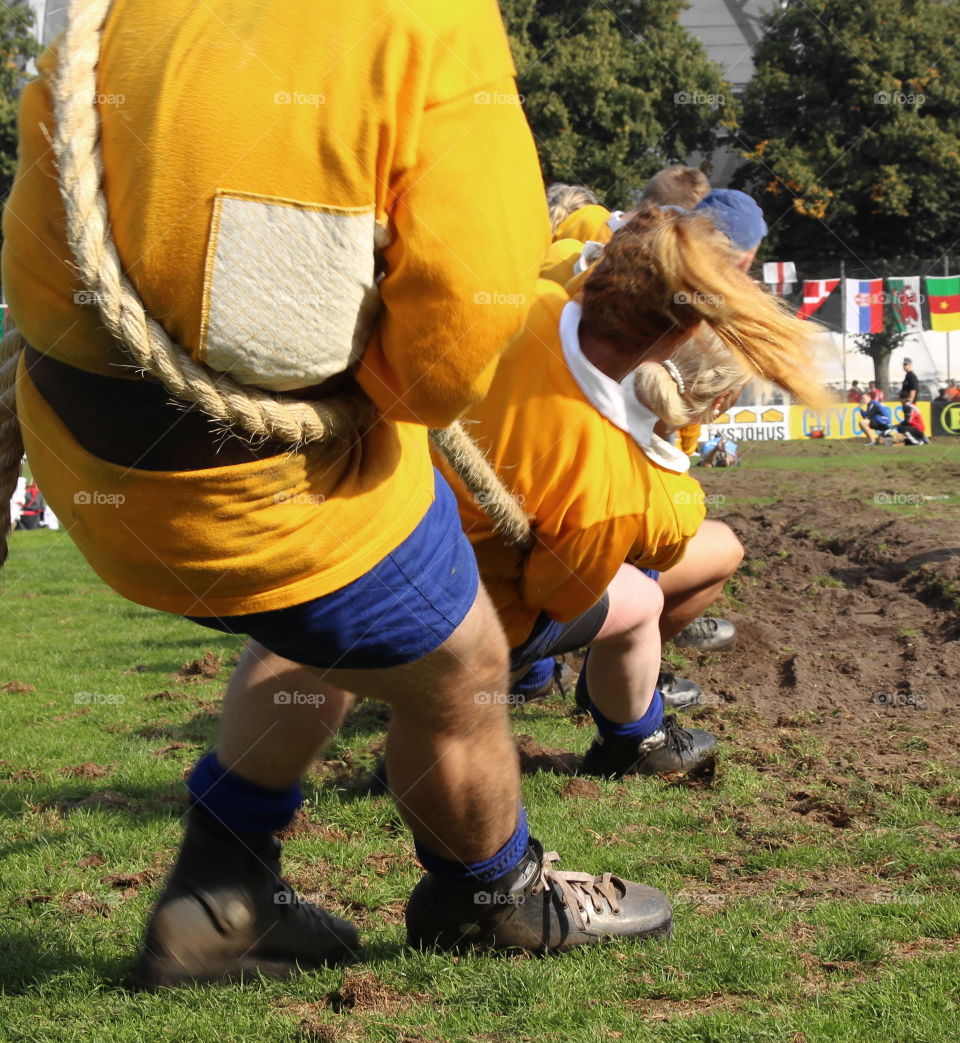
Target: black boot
670 750
534 907
225 912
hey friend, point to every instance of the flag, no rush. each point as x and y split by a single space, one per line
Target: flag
944 299
863 310
781 275
815 292
905 303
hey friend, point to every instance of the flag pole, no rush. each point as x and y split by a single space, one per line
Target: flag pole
843 313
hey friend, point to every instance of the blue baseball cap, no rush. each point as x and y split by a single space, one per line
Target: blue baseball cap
736 214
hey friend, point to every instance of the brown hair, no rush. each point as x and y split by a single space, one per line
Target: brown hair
666 272
676 186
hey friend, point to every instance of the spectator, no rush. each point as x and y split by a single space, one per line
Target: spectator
875 419
942 398
953 392
912 427
875 391
718 451
853 395
911 385
564 200
31 513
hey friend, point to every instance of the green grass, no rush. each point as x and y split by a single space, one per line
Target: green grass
787 928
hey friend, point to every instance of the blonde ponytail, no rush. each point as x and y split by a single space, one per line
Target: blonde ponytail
667 271
708 371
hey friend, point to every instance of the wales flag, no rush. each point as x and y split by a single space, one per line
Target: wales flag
944 298
905 303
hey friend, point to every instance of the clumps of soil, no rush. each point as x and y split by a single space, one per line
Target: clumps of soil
820 809
362 990
204 668
167 696
581 788
301 826
17 688
171 747
534 757
87 770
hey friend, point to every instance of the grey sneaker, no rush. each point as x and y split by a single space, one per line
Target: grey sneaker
707 635
678 693
225 913
534 907
671 750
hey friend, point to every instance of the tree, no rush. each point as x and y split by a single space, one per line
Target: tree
17 47
614 92
851 129
879 347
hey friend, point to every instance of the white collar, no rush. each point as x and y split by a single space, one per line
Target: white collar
617 402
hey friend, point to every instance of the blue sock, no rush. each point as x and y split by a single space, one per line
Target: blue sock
650 722
489 869
535 678
240 805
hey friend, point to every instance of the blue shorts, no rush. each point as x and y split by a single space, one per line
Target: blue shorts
550 638
405 607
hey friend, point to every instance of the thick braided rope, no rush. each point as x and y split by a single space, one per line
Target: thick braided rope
11 440
257 413
480 479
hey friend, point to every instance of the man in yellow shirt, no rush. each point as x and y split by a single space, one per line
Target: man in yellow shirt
291 189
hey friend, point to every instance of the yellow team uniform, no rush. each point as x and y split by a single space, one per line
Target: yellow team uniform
688 438
560 260
589 222
595 498
291 187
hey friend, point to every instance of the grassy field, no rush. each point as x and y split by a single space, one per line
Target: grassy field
816 934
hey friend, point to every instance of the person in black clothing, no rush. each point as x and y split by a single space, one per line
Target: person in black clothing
910 387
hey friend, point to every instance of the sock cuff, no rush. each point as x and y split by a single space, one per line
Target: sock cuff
490 869
641 729
239 804
535 678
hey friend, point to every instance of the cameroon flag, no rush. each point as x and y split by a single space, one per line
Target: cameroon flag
944 299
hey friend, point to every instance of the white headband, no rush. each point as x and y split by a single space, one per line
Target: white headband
671 368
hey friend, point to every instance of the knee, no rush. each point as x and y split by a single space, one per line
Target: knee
729 552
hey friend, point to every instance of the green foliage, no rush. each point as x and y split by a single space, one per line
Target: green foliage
851 127
614 92
17 47
879 347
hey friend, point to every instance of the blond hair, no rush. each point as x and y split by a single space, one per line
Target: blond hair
667 272
676 186
708 371
563 200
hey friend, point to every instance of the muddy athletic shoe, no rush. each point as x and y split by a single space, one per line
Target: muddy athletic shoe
707 635
678 693
671 750
535 907
226 912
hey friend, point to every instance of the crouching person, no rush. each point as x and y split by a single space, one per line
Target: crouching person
303 248
565 431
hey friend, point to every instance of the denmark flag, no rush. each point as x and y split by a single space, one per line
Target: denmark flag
815 292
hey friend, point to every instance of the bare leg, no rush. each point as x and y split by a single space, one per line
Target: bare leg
690 587
625 656
277 717
450 756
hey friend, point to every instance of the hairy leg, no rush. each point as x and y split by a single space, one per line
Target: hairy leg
451 760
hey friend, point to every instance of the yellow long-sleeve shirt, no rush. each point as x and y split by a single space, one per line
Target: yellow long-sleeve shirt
291 186
595 499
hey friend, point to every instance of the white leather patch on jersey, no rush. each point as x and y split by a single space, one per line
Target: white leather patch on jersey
290 295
